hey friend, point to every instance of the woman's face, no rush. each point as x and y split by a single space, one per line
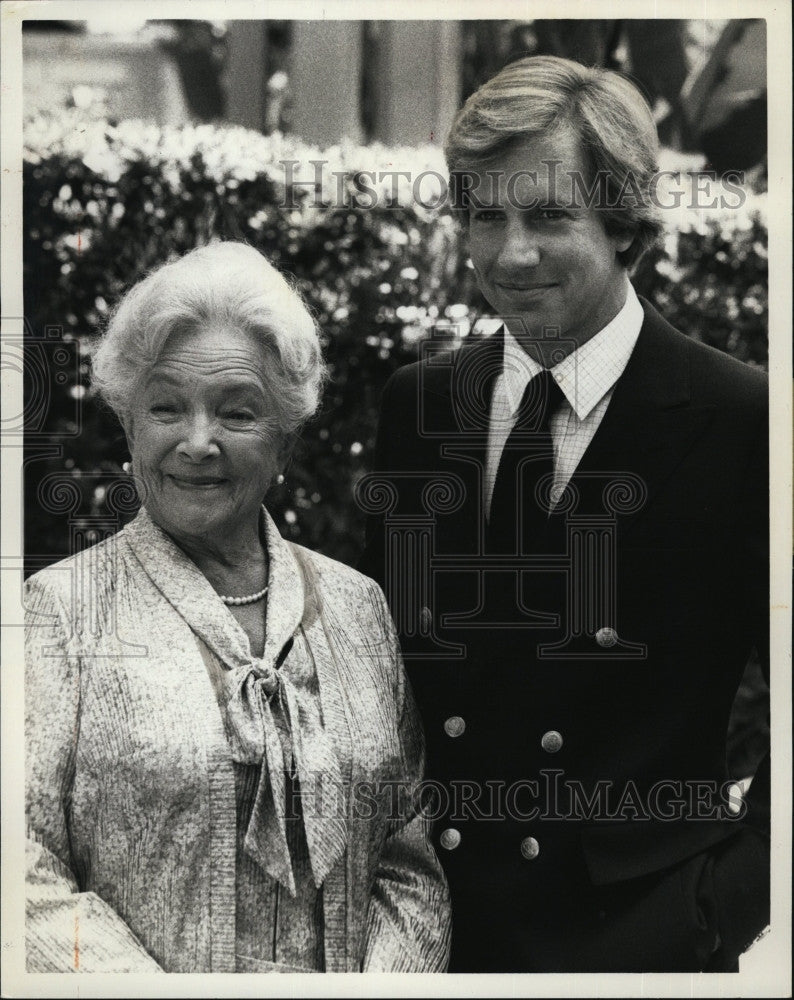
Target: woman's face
202 437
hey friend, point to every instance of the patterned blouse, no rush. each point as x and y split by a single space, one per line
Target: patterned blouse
274 926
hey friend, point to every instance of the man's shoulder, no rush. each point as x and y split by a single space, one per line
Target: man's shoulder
428 373
724 373
715 377
442 371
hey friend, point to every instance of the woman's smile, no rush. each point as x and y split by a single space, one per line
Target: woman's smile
196 482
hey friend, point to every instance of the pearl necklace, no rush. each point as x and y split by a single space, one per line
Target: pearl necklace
248 599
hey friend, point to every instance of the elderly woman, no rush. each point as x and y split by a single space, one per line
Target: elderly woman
218 719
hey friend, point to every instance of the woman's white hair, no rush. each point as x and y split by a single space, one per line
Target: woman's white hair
228 284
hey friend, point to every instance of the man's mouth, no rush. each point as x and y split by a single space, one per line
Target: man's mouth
525 286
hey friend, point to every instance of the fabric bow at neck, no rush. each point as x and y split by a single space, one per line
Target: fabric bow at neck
265 703
266 706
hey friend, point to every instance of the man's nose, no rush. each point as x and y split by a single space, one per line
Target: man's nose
199 440
520 247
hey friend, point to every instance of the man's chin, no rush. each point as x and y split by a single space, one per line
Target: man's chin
530 326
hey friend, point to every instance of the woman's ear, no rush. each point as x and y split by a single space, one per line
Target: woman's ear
285 450
126 425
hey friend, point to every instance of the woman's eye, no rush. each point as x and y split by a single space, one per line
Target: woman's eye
239 415
162 409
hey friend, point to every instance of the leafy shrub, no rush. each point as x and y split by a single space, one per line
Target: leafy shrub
105 203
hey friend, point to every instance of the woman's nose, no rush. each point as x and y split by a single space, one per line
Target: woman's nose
199 440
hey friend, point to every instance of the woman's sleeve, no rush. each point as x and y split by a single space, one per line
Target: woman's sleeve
66 930
408 926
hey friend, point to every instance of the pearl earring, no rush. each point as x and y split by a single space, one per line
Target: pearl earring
280 478
126 467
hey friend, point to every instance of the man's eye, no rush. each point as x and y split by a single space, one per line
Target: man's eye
162 409
488 215
551 214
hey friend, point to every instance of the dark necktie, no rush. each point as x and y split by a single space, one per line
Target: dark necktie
528 455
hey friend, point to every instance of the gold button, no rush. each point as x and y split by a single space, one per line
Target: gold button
450 839
551 741
606 637
455 726
530 848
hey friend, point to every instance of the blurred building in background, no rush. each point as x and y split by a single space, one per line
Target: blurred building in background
396 82
65 63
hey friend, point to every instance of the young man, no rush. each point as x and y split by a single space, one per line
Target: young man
573 539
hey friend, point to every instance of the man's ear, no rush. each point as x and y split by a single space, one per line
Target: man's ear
622 241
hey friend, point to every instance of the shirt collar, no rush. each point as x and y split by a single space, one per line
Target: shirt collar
190 593
589 372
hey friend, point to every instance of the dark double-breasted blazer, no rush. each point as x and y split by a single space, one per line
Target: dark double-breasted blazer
576 696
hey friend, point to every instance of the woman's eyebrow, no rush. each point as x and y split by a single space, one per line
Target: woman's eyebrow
243 378
156 377
242 384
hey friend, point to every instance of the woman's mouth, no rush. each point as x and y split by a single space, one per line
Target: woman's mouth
197 482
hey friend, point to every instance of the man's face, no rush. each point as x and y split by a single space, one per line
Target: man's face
543 259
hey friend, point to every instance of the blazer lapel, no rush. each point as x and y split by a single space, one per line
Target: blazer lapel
648 428
461 408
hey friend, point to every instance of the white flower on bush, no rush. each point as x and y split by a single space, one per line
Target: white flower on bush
258 220
412 334
105 162
487 326
457 311
457 327
77 242
669 269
